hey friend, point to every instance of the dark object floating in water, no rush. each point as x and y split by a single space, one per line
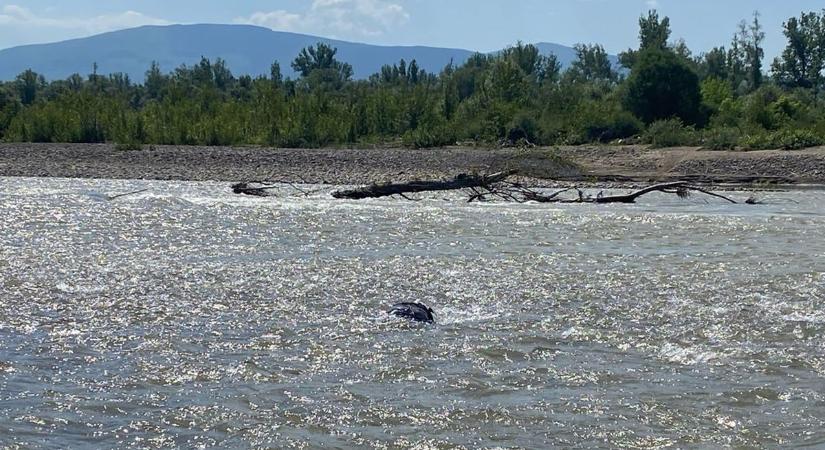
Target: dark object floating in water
413 311
253 188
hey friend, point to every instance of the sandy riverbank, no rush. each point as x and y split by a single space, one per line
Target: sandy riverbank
362 166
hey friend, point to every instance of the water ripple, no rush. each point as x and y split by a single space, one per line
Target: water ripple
185 316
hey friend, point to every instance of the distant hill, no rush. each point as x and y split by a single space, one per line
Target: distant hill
247 50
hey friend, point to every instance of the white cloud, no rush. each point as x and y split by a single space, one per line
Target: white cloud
335 18
18 16
279 20
652 3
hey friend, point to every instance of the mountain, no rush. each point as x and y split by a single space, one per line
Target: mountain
247 50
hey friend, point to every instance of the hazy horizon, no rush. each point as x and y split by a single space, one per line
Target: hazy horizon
494 25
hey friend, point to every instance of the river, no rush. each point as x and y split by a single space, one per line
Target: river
185 316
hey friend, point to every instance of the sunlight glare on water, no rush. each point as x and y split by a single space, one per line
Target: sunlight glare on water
185 316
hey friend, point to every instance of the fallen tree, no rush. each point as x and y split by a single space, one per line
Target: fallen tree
483 187
266 188
497 185
680 188
462 181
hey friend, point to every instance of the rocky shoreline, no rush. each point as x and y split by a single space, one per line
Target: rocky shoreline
539 166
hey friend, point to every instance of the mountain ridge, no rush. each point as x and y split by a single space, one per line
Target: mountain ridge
247 49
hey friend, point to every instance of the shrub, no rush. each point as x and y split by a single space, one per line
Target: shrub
784 139
523 127
759 140
618 125
670 133
553 132
715 92
726 138
797 139
602 122
661 86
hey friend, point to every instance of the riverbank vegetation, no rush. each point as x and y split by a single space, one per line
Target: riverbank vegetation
663 94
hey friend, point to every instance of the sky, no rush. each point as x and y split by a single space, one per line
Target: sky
482 25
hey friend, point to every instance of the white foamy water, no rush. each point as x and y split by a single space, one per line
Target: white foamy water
185 316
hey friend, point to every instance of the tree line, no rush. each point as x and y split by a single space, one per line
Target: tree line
663 94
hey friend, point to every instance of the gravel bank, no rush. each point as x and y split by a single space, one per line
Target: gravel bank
327 166
364 166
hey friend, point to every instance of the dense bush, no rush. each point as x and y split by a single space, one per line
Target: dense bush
523 127
784 139
670 133
719 99
796 139
662 86
724 138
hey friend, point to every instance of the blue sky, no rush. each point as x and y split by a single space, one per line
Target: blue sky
482 25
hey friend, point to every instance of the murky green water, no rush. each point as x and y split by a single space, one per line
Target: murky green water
188 317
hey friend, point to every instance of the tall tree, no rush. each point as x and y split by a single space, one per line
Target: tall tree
714 64
754 38
29 84
528 57
745 56
662 86
802 63
321 57
221 75
653 34
592 64
275 75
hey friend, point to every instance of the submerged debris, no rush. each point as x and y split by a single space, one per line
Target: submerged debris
253 188
413 311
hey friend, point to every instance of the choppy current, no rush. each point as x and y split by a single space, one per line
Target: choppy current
188 317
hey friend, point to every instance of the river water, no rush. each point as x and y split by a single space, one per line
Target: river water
187 317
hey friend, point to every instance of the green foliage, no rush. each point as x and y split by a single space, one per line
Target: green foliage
592 64
670 133
532 63
320 57
653 32
514 95
785 139
797 139
28 85
802 63
715 92
653 35
524 127
319 67
662 86
758 140
440 136
725 138
604 122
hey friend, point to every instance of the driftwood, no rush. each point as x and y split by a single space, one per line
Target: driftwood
115 197
460 182
265 188
253 188
483 187
680 188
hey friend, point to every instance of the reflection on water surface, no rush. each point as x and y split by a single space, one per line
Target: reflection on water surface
186 316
